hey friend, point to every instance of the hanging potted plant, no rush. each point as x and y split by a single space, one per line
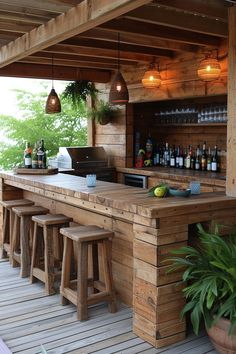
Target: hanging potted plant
80 90
210 273
103 112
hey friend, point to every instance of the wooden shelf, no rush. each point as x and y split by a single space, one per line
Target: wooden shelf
192 125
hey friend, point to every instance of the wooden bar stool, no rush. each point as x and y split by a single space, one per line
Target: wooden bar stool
8 220
77 291
20 252
50 225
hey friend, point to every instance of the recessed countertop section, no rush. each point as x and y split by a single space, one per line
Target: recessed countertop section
177 174
114 197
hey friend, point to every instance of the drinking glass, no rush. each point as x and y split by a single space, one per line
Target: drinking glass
91 180
195 187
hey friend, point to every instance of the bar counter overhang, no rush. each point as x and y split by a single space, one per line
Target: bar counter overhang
146 230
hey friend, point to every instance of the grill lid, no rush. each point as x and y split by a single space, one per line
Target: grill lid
88 156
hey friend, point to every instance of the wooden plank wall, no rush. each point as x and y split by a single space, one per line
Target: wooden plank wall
179 81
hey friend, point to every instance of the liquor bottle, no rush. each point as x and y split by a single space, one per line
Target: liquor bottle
188 158
177 157
149 147
197 160
204 158
181 159
41 155
172 157
35 156
166 155
192 162
158 155
209 162
28 156
215 160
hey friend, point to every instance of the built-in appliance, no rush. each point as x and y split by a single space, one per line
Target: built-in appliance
84 160
135 180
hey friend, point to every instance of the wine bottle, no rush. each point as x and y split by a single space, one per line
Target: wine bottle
28 156
166 155
35 156
172 157
209 162
181 159
41 155
215 160
204 157
188 158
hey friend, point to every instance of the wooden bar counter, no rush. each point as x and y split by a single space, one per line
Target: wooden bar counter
146 229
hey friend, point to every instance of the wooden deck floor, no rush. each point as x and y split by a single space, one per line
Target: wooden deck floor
29 319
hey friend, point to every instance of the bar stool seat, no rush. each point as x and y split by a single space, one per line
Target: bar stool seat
46 230
22 229
8 221
76 291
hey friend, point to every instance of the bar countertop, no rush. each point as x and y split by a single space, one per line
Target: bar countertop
113 198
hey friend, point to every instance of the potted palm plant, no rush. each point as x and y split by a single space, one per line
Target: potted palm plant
210 291
102 112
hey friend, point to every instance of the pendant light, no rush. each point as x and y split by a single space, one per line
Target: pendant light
152 77
119 92
53 104
209 68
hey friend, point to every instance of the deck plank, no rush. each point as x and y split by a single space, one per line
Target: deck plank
29 319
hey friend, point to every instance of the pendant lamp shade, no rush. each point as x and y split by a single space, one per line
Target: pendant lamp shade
152 77
209 69
119 93
53 104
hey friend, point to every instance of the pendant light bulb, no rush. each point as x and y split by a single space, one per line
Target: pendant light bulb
53 104
118 92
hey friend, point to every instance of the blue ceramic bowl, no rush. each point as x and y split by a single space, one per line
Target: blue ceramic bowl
179 192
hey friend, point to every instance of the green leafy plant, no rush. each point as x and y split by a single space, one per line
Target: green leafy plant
102 112
79 90
210 271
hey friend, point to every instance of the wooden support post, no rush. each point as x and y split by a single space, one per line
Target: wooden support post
231 126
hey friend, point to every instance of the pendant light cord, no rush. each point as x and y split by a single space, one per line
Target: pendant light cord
52 73
118 50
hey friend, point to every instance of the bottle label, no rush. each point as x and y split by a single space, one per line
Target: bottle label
197 165
214 166
172 162
28 161
209 167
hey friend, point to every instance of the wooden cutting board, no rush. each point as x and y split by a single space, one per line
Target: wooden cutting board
35 171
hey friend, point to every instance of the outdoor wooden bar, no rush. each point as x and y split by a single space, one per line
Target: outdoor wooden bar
146 230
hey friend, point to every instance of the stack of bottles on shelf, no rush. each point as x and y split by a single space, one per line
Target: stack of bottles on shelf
199 158
35 158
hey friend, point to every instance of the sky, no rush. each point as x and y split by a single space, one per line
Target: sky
8 102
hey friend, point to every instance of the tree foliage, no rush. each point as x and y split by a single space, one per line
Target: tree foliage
68 128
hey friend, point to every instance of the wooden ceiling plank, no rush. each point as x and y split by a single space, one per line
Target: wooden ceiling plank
101 44
17 9
179 20
141 39
67 63
37 71
55 6
14 26
209 8
102 53
131 26
86 15
12 16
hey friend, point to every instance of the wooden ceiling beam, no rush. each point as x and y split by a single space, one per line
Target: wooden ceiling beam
37 71
68 62
86 15
180 20
28 11
131 26
14 26
143 40
83 58
22 17
209 8
101 44
101 53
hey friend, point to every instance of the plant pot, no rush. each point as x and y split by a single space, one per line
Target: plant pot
223 343
105 120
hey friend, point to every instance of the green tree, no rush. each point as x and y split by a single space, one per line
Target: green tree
68 128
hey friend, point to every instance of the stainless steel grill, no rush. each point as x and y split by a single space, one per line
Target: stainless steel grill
88 160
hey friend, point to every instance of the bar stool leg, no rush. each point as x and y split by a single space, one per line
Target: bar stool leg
35 253
25 224
66 268
82 282
108 275
15 242
49 260
5 232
